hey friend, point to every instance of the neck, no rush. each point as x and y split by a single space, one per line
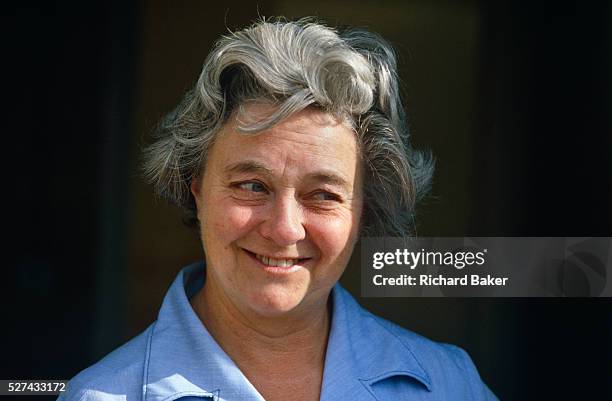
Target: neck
283 357
246 336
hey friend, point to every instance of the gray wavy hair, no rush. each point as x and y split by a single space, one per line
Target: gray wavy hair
293 65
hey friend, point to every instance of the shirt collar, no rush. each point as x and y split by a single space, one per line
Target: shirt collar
361 348
184 360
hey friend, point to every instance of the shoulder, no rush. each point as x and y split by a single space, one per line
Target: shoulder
396 357
428 352
449 367
117 376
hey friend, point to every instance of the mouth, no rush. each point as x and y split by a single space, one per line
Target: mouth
277 265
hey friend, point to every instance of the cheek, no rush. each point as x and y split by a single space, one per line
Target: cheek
241 219
229 222
334 237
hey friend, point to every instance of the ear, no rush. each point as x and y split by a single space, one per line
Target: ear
196 189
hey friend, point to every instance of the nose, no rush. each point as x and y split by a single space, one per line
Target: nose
284 223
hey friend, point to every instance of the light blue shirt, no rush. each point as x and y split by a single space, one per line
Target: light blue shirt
368 359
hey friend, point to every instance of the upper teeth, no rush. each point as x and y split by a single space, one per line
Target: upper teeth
276 262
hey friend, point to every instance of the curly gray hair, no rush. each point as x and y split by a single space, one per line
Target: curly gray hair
294 65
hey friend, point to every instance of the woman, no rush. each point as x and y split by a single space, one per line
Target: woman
291 145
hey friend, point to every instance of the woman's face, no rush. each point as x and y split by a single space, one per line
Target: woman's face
279 212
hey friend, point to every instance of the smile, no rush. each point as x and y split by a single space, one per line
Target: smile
276 262
282 263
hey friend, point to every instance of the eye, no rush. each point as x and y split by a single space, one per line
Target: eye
325 196
251 186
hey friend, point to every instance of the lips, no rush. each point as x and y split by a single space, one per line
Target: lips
276 262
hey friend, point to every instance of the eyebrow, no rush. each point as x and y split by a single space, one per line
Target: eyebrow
322 176
328 177
248 166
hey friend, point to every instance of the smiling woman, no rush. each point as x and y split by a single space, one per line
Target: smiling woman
278 226
291 145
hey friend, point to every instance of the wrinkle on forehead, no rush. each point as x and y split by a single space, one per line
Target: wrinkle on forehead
256 112
304 130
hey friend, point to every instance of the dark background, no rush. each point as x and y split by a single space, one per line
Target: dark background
513 98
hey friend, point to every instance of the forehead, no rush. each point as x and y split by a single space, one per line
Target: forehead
309 140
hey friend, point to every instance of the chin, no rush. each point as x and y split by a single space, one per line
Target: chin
275 302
